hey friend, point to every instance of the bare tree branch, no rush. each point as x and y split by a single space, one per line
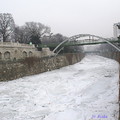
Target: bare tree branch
7 26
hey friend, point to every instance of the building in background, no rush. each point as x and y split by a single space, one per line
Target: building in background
116 30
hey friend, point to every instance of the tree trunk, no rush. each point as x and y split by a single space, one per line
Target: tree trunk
4 38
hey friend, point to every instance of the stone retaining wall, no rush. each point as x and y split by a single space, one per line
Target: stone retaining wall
30 66
112 55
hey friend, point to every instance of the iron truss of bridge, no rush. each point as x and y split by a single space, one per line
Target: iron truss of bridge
78 43
82 39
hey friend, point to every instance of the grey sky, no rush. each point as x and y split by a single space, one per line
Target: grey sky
69 17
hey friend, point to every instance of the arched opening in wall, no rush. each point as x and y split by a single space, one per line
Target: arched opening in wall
0 55
30 54
24 54
7 55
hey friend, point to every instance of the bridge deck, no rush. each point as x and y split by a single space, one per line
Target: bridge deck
78 43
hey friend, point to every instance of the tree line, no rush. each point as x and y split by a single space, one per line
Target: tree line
34 32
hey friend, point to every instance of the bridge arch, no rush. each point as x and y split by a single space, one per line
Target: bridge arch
75 37
7 55
30 54
24 54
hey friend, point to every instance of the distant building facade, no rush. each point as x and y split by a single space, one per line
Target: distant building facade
116 30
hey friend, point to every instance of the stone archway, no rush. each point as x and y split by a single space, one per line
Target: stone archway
30 54
24 54
7 55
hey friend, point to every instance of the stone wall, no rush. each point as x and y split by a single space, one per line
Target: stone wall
15 51
109 54
30 66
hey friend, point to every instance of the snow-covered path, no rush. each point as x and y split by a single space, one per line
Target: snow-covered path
85 91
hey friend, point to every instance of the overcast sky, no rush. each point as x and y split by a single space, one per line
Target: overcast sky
69 17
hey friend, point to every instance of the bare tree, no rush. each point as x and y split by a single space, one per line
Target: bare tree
6 26
56 38
35 31
21 35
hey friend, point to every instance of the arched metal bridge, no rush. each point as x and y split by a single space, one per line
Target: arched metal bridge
82 39
92 39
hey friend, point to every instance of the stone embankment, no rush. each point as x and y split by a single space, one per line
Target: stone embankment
31 66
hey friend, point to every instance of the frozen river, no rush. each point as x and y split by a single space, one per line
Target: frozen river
87 90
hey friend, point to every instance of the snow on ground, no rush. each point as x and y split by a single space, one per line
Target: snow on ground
87 90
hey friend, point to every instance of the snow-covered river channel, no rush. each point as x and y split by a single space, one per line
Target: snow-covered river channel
87 90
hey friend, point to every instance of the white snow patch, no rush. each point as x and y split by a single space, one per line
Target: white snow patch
87 90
